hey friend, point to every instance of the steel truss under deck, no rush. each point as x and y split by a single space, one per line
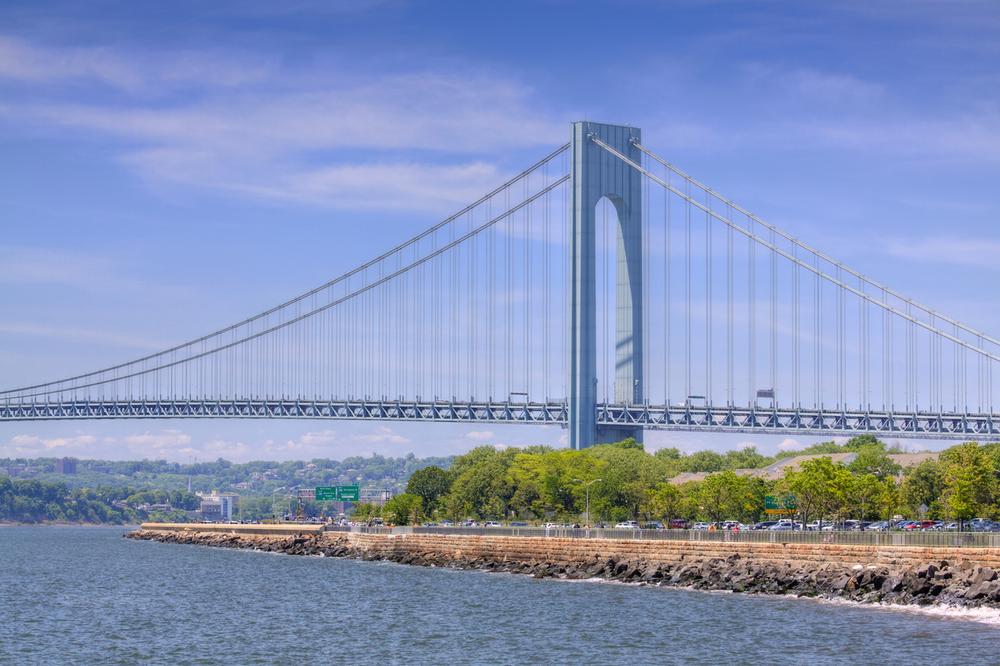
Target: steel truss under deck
981 427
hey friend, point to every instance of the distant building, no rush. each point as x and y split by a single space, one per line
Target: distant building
218 507
66 466
376 496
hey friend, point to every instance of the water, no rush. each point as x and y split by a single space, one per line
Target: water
85 595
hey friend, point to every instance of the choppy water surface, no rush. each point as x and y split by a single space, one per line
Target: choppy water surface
85 595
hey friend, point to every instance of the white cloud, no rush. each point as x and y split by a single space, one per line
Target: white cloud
309 135
33 445
380 186
973 252
24 61
789 444
479 435
319 438
381 435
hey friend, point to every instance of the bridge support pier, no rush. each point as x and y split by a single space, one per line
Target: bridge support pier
596 174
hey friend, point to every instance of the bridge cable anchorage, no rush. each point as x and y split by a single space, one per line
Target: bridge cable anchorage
820 273
561 150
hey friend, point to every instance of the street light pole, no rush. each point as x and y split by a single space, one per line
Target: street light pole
273 512
586 489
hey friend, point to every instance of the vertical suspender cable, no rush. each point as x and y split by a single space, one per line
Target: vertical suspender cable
667 265
797 343
687 286
708 301
729 308
752 317
546 202
774 321
817 333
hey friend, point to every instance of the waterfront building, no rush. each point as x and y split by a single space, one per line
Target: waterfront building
218 507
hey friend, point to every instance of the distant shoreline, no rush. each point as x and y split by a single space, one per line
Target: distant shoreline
63 523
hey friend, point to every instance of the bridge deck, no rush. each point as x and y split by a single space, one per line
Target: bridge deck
982 427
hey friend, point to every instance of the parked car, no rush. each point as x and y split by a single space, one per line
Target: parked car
678 524
627 525
492 523
652 525
518 523
701 526
764 525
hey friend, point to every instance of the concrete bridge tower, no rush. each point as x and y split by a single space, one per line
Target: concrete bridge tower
595 174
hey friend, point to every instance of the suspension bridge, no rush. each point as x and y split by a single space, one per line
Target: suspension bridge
601 289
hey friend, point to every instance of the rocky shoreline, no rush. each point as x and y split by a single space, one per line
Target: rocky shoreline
944 583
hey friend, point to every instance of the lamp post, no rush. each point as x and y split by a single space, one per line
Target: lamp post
273 492
586 488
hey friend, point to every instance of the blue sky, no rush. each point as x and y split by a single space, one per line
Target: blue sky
167 169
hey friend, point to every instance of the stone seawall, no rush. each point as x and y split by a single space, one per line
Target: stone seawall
960 577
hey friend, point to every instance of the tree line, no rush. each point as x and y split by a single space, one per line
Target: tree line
627 483
32 501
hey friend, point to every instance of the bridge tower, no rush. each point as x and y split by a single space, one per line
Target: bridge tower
596 174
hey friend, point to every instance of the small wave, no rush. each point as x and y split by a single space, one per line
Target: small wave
984 615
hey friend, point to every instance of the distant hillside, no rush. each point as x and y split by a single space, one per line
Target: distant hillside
252 478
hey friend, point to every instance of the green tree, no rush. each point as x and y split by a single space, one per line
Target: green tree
430 484
366 511
874 461
403 509
866 491
626 474
820 487
722 495
746 458
663 502
923 486
703 461
969 481
481 488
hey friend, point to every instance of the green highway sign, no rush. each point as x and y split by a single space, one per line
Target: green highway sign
779 504
338 493
348 493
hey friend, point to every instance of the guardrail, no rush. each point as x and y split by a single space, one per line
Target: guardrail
277 529
858 538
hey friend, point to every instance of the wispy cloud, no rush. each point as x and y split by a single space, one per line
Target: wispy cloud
34 265
80 334
317 136
977 252
138 74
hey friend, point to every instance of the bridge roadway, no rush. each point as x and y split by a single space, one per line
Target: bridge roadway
709 418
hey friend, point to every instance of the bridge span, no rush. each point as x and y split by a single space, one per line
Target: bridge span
602 289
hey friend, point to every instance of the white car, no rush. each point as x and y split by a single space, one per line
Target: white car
700 526
491 523
627 525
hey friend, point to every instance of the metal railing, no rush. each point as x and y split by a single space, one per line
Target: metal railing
849 538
